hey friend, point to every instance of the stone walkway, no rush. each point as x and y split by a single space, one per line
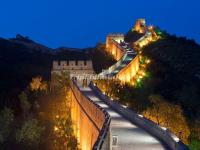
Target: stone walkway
124 134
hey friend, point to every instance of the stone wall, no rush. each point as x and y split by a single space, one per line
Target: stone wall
72 65
91 122
113 47
128 72
76 68
171 140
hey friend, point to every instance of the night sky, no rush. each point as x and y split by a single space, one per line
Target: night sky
82 23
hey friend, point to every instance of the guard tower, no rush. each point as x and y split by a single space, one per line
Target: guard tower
140 26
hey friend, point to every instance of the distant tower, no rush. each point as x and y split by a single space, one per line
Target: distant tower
140 26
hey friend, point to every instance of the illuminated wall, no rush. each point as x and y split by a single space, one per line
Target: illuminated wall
149 37
76 68
113 47
87 118
117 51
145 40
129 71
140 26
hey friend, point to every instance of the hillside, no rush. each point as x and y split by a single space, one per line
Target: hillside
181 54
21 59
174 71
18 62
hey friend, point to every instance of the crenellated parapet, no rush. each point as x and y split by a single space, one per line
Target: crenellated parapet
76 68
72 65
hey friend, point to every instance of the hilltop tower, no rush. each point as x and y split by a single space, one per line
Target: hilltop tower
140 26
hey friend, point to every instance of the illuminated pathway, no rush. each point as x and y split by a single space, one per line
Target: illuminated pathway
128 135
128 56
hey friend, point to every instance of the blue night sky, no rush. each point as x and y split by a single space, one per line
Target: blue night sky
82 23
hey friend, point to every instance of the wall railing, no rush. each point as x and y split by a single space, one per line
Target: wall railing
163 134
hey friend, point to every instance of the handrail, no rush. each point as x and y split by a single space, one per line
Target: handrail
165 135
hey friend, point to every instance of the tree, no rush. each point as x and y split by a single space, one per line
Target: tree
60 135
154 113
189 97
43 86
60 83
6 120
37 84
194 144
64 133
168 115
73 143
64 81
97 54
30 133
195 135
24 103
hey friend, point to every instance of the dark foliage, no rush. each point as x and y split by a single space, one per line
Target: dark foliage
21 59
132 36
175 66
100 58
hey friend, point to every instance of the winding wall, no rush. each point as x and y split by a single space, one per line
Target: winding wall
113 47
90 112
131 67
90 121
95 128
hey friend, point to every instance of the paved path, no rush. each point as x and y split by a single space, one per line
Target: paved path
126 135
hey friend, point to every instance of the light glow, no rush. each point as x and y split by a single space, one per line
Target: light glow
55 128
163 128
124 106
141 116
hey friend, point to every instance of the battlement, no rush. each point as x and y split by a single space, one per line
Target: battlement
73 65
76 68
115 35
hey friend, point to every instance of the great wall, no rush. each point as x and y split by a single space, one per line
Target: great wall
100 123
